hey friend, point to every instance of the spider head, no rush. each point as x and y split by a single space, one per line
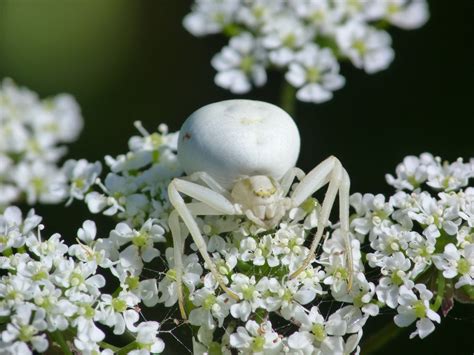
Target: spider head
261 198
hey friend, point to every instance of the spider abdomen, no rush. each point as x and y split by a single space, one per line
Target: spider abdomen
236 138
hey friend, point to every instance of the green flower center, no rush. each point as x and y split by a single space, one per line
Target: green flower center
248 292
381 214
289 41
393 9
341 273
396 279
313 75
317 16
413 182
463 266
12 295
258 343
133 282
355 4
119 305
246 64
76 279
79 183
209 301
156 140
26 332
44 302
258 12
89 312
34 146
38 184
222 267
141 240
360 47
40 275
287 296
393 245
420 309
319 332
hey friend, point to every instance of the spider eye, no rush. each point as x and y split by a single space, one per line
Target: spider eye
265 192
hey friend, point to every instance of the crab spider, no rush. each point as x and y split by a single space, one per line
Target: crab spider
240 158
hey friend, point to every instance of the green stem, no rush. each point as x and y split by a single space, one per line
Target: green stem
59 339
106 345
117 292
440 292
287 98
382 337
126 349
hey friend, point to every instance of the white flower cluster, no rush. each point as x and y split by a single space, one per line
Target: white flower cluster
305 39
50 291
255 262
421 245
31 134
419 239
135 189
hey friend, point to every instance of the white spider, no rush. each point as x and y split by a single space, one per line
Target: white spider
245 152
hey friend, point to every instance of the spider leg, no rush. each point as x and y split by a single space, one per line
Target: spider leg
251 216
196 208
330 170
287 179
175 229
212 203
210 182
344 196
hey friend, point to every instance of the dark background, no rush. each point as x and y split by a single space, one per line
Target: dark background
129 60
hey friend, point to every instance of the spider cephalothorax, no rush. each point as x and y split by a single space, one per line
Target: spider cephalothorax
239 157
261 199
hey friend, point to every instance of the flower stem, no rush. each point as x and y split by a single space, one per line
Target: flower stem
59 339
379 339
106 345
287 98
441 282
127 348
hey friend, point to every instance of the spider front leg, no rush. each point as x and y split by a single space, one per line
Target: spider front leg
212 204
210 182
330 170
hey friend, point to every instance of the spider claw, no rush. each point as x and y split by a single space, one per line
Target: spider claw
297 272
182 310
230 293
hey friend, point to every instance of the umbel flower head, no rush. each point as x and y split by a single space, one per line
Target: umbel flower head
306 40
32 134
417 242
418 261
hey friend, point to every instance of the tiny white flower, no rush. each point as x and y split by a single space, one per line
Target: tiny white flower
315 72
210 16
147 339
240 64
209 308
367 48
25 329
406 14
256 339
81 175
413 307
